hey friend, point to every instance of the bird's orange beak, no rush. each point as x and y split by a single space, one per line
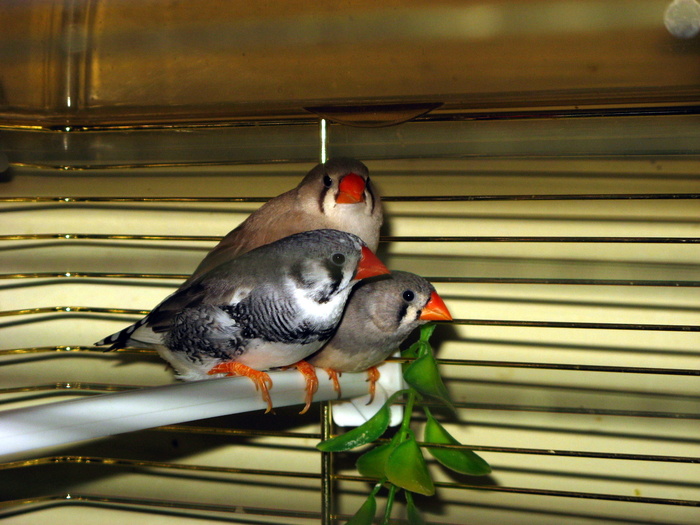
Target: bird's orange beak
435 310
351 189
370 265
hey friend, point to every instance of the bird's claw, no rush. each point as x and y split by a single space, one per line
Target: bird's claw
333 375
261 380
309 373
372 377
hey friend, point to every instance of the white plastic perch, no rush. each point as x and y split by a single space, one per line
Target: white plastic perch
103 415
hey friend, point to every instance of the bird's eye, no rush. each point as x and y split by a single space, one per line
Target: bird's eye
327 181
338 258
408 296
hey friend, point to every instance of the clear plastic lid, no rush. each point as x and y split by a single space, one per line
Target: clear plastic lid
115 62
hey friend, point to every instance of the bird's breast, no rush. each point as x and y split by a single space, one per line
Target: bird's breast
263 355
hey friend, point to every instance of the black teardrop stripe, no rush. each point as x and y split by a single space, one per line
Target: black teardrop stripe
325 294
368 187
335 275
402 313
322 199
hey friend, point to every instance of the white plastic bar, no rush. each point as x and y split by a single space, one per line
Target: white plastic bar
97 416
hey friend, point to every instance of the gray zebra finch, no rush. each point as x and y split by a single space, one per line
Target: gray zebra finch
268 308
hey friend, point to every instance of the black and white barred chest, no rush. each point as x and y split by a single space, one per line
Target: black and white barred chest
278 322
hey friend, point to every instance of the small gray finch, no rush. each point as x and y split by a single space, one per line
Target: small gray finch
337 194
271 307
379 316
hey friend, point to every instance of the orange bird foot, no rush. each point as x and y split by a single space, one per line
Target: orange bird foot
333 375
261 380
372 377
309 373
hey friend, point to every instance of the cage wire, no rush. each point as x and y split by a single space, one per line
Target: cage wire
569 260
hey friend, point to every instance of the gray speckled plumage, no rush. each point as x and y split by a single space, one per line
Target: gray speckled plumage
311 205
270 307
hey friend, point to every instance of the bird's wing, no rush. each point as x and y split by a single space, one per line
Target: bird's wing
228 283
162 316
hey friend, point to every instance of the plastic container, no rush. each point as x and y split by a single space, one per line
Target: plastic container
116 62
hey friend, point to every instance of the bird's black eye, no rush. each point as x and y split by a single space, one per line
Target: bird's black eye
327 181
338 258
408 296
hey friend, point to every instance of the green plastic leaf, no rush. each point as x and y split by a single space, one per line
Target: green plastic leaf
367 432
406 468
414 517
460 460
365 514
421 346
426 331
410 353
422 374
373 462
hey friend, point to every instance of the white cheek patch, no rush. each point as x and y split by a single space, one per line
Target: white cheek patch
314 311
411 316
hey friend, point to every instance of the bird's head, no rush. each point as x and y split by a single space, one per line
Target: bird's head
326 263
340 185
400 302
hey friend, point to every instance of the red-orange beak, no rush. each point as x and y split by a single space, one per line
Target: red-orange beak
351 189
435 310
370 265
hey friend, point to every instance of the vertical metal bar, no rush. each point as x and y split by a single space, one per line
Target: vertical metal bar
326 409
326 466
323 131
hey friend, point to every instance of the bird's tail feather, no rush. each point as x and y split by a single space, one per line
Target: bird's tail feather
121 339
